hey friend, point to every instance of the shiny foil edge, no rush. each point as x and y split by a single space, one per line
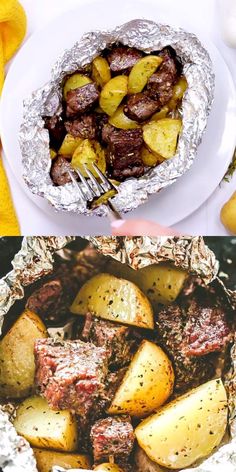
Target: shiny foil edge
147 36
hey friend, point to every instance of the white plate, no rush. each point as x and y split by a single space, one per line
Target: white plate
31 69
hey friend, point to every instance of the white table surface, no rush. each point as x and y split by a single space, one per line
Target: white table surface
205 221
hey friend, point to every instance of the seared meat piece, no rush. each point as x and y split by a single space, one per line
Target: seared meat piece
70 374
113 337
189 371
47 299
112 437
83 127
207 330
140 107
160 85
59 171
101 121
81 100
55 126
113 381
122 58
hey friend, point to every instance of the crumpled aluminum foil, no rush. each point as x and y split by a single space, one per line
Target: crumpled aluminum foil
147 36
35 259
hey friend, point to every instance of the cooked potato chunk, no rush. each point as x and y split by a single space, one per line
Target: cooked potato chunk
101 73
53 154
114 299
75 81
17 367
69 145
159 115
228 214
188 428
89 152
113 93
108 468
147 384
178 93
46 460
149 158
121 121
161 136
141 73
44 427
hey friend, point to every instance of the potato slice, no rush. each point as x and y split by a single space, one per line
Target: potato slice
107 467
228 214
188 428
161 136
89 152
75 81
159 115
46 460
69 145
44 427
101 73
142 71
178 93
113 93
149 158
147 384
114 299
17 367
121 121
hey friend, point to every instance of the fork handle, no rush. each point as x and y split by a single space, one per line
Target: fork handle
113 214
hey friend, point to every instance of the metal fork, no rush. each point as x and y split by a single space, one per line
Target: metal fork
92 188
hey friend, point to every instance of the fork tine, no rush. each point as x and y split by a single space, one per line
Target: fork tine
89 189
105 182
98 188
80 190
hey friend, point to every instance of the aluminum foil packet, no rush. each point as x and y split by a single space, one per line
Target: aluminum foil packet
35 259
146 36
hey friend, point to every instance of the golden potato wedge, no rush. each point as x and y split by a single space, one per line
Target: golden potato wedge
75 81
186 429
53 154
103 199
147 384
159 115
89 152
161 136
141 73
69 145
121 121
17 367
114 299
101 73
44 427
178 93
149 158
107 467
46 460
228 214
113 93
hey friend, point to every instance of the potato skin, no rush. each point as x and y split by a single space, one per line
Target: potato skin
44 427
161 136
69 145
228 214
141 73
101 73
178 93
187 429
46 460
75 81
113 93
17 367
147 384
114 299
121 121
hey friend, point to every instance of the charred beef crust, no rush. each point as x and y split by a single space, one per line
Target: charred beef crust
70 374
83 127
60 171
47 299
140 107
112 437
122 58
56 127
81 100
160 85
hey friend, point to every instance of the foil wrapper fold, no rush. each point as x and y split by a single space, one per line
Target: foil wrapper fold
147 36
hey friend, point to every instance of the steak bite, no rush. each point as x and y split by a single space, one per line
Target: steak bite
60 171
122 58
113 337
140 107
160 85
70 374
112 437
46 299
83 127
56 127
81 100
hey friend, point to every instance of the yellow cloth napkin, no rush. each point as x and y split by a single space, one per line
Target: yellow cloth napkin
12 32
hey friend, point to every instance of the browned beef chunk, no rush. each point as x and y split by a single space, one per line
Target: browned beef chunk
112 437
81 100
207 330
101 122
59 171
112 336
160 85
140 107
47 299
189 371
70 374
83 127
55 126
122 58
